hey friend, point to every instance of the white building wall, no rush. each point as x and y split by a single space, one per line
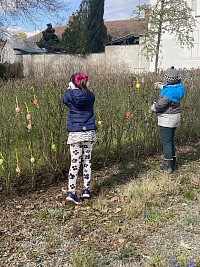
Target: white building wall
173 54
8 55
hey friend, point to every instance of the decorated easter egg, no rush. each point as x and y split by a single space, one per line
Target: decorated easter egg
53 147
128 114
35 101
99 123
29 126
137 86
28 116
32 160
18 110
18 170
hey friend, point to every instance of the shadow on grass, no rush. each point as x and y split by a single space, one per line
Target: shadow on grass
129 168
189 152
117 170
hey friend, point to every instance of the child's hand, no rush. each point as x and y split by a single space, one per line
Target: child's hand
152 109
159 85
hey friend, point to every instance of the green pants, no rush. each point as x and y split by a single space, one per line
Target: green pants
167 139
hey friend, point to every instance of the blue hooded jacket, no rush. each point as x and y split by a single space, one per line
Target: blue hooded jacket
169 98
81 111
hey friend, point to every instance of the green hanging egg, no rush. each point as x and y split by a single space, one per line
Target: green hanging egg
53 147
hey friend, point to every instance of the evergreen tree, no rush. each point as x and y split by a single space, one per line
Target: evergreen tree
86 32
74 40
49 40
70 38
96 30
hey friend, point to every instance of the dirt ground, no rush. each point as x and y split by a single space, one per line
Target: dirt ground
40 229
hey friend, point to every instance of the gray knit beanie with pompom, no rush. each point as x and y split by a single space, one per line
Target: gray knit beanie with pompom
172 74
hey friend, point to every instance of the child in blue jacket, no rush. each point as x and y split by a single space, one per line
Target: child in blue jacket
167 108
81 127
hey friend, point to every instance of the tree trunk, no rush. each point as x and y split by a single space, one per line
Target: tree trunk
157 49
159 35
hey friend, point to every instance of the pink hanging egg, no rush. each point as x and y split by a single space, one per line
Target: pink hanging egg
28 116
29 126
18 169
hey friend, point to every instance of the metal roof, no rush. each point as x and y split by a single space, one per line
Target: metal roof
31 51
25 46
126 37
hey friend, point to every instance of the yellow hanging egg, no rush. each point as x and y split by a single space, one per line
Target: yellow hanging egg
1 161
99 123
137 86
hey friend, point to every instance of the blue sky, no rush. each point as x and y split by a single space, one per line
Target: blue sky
114 10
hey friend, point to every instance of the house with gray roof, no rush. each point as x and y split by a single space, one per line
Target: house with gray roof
13 49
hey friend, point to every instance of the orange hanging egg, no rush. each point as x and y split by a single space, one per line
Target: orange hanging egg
35 101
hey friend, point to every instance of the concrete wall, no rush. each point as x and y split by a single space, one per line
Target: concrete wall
115 59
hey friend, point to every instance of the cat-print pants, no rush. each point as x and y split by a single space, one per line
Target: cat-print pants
80 153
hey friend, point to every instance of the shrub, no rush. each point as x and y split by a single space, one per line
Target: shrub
11 71
35 148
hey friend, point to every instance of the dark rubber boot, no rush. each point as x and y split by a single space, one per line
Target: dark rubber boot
166 167
174 166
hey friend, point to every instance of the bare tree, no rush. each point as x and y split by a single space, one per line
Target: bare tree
30 10
174 17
